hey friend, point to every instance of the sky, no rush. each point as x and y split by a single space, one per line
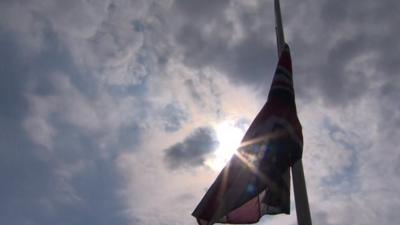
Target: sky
123 111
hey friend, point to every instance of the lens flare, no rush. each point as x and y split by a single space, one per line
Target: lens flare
229 137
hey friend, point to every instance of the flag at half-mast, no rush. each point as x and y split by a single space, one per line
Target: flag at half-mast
256 181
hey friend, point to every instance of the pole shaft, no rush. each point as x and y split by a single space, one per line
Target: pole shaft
300 194
299 184
280 38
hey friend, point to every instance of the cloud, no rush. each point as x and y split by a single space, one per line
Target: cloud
337 66
174 117
86 87
62 131
227 41
74 183
193 149
201 9
346 53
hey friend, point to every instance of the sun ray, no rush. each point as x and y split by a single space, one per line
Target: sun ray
229 137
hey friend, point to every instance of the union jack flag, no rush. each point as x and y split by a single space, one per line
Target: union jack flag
256 180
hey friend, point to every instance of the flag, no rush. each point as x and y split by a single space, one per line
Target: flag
256 180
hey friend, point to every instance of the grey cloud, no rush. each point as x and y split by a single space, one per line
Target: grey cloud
320 217
389 108
345 178
343 54
192 150
242 123
247 60
74 182
174 117
354 40
337 83
72 185
201 9
332 56
11 84
204 92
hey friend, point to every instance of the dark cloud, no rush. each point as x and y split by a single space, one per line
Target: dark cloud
332 55
247 60
354 48
193 149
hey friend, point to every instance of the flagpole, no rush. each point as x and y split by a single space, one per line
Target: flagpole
299 184
300 194
280 39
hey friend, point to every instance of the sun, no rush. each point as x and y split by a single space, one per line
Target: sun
229 137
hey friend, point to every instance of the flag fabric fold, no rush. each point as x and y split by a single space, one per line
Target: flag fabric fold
256 180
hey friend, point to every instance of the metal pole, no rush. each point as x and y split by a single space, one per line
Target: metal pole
299 184
280 38
300 194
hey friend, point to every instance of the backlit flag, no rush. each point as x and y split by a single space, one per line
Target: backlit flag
256 180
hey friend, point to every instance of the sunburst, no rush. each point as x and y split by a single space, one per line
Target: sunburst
229 137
